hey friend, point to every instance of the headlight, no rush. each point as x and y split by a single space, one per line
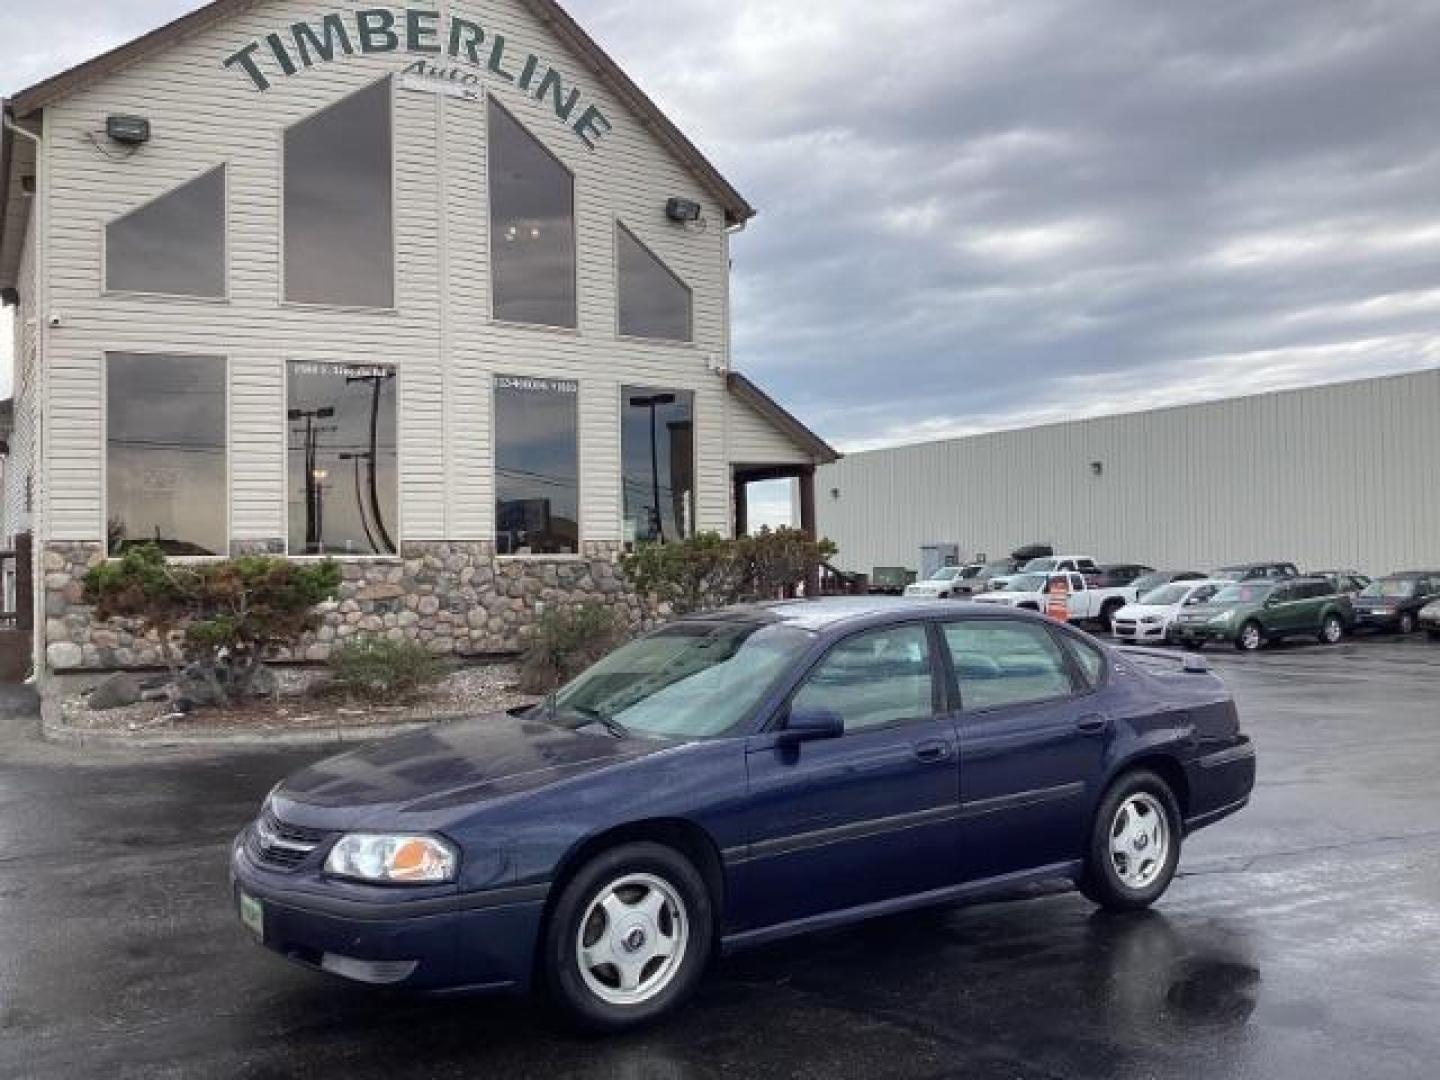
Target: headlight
402 860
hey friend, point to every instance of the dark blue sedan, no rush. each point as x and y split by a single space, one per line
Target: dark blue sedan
738 777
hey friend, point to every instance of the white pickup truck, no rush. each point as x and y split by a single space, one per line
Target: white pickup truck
1086 603
1050 564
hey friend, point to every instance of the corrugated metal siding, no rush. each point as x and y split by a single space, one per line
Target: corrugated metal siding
203 115
1329 476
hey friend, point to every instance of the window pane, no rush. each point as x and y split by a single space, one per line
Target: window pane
1005 663
341 459
537 467
338 217
654 303
532 227
165 453
173 245
658 448
1091 660
873 679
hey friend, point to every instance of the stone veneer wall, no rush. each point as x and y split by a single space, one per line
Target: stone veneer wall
455 598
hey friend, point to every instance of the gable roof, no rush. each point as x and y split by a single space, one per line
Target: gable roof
783 420
549 12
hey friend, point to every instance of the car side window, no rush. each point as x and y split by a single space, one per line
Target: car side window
1090 659
1002 662
873 679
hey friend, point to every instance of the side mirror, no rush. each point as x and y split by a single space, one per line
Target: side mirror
808 725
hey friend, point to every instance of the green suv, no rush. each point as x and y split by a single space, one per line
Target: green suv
1249 613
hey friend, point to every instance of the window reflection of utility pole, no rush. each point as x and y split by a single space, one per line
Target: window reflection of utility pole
363 455
314 510
377 382
651 402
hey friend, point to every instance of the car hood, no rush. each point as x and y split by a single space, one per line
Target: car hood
1139 611
450 765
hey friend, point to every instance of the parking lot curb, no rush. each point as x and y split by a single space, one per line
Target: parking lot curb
54 729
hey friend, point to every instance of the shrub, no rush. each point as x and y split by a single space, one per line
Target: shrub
710 571
381 669
223 619
565 641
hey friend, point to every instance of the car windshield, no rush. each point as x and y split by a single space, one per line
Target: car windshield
946 573
1390 588
996 569
692 679
1246 593
1166 595
1037 565
1026 583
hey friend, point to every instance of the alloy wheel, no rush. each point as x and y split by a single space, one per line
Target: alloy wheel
1332 631
632 940
1250 637
1139 840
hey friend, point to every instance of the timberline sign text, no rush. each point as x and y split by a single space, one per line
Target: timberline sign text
465 48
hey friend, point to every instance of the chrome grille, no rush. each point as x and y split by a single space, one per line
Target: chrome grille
282 845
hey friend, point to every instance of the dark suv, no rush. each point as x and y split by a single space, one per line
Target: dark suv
1118 575
1393 602
1250 613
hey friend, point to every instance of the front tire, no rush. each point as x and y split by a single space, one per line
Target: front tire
1332 630
1407 623
1250 637
629 938
1134 843
1107 615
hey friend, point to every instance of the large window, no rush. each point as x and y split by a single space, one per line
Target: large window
341 459
537 467
654 303
338 213
658 467
532 227
174 244
165 453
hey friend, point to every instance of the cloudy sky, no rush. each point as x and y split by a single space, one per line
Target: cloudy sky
982 213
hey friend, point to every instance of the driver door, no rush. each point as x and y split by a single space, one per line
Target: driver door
869 816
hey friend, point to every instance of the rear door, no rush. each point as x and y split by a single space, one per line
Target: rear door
1033 738
867 817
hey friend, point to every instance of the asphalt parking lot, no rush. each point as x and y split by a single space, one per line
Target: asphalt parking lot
1301 940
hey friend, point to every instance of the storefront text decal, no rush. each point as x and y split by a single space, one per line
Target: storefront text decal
463 52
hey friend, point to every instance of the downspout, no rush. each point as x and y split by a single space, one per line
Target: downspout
729 362
38 497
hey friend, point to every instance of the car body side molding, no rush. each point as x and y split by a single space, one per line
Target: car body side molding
1069 870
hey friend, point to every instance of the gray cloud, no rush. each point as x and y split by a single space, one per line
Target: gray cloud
977 213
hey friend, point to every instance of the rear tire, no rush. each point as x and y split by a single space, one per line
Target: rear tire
1332 630
628 905
1134 843
1250 637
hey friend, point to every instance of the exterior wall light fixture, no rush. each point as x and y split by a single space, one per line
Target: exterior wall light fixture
127 130
683 211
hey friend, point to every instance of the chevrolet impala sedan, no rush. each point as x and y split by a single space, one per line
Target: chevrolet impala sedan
736 778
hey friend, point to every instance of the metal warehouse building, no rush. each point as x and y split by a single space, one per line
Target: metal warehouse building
1332 476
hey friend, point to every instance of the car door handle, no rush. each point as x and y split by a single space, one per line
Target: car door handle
933 750
1094 724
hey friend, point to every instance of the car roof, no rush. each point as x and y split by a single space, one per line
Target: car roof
830 612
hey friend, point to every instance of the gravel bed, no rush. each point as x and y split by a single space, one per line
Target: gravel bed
303 701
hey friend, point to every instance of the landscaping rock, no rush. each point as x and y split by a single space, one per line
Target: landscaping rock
116 692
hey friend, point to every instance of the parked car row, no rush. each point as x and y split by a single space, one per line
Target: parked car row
1245 604
1249 612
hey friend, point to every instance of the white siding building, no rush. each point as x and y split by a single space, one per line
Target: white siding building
1330 477
402 285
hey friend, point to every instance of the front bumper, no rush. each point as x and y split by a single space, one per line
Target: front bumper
1377 620
1132 630
1186 633
462 941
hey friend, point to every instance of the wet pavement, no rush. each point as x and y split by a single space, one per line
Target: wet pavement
1302 939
